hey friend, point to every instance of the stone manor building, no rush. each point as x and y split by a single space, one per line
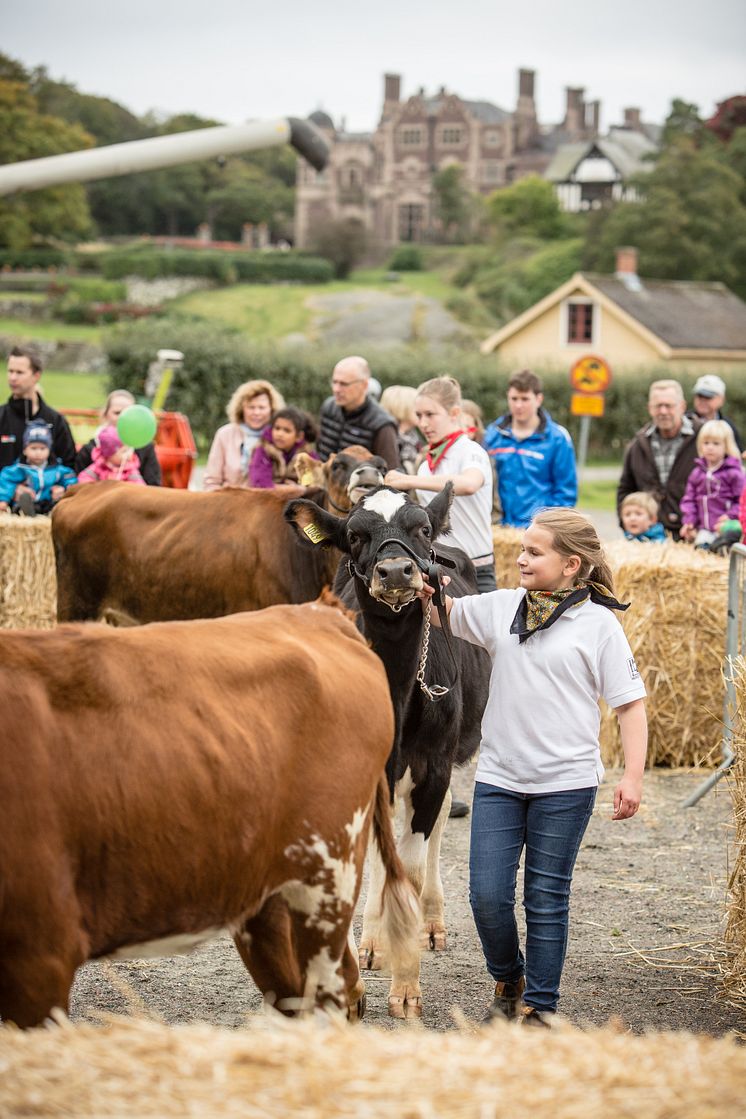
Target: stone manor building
384 179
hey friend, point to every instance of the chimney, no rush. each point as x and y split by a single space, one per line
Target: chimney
626 267
593 117
391 87
442 92
632 119
575 111
526 84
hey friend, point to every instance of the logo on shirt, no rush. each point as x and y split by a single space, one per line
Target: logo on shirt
633 672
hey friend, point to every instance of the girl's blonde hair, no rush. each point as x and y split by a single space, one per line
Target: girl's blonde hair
398 401
574 535
446 390
718 429
247 391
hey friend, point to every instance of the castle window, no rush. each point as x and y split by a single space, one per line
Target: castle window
580 322
452 135
410 137
491 171
492 138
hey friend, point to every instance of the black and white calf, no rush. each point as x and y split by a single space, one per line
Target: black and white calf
388 541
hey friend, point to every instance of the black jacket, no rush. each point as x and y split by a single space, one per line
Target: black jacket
13 419
150 468
368 426
639 473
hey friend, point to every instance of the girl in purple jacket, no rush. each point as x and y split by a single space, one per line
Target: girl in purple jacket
272 459
714 486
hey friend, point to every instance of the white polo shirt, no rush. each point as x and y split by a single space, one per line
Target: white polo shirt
541 724
471 514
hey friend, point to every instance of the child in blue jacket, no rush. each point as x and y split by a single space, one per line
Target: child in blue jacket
43 483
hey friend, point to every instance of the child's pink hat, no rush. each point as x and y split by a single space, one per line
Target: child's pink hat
109 441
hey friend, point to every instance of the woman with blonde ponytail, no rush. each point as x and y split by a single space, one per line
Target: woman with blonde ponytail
557 647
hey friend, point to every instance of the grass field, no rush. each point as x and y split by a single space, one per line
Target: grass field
25 329
597 495
73 390
270 311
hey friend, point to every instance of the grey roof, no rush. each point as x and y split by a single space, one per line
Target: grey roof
625 149
484 111
686 314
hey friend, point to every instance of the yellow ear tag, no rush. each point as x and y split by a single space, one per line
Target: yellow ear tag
307 479
314 533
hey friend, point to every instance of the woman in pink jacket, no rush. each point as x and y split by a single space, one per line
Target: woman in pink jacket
249 410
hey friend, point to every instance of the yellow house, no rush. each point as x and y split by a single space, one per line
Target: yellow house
679 326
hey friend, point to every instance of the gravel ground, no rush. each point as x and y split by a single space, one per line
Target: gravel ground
648 912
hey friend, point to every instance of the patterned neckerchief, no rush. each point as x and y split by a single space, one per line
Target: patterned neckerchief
538 610
435 451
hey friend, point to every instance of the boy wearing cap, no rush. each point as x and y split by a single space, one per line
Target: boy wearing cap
709 397
33 484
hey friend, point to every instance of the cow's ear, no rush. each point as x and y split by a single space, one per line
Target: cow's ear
437 510
315 524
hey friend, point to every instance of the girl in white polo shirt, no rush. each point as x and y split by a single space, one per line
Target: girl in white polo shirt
556 647
453 457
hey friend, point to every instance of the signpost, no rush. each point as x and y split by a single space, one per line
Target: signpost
590 377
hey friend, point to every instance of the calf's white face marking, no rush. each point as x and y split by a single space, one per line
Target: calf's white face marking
385 503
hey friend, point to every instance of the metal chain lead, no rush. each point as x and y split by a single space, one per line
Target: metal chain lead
437 690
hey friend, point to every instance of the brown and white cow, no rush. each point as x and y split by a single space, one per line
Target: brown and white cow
138 554
162 783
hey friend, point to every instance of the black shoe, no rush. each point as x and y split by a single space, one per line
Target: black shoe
507 1000
25 503
538 1019
458 808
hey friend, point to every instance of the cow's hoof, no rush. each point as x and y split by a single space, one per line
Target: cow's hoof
371 958
433 938
356 1012
405 1006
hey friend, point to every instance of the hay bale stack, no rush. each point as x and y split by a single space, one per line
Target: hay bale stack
676 628
507 546
142 1068
28 583
734 971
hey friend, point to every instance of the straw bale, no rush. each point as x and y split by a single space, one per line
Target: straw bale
28 583
320 1071
676 628
734 970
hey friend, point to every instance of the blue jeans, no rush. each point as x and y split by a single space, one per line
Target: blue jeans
550 826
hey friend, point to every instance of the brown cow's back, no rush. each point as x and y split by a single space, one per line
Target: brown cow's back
158 554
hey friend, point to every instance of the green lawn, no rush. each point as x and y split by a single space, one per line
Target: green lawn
597 495
73 390
25 329
270 311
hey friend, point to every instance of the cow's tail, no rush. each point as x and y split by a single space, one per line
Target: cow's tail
402 916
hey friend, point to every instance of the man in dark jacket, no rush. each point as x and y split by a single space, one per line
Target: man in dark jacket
25 404
350 416
660 457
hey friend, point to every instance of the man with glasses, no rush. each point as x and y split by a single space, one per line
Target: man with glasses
661 455
351 417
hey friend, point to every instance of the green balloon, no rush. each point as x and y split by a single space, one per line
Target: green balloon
136 425
730 526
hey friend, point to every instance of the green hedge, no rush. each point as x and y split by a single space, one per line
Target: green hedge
217 360
407 258
226 268
33 258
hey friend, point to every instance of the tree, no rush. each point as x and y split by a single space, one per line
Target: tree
25 133
682 121
342 242
245 194
690 223
452 202
528 207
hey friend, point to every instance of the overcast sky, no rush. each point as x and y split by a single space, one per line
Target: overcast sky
232 60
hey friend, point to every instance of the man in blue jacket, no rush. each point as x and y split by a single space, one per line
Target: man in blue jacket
534 457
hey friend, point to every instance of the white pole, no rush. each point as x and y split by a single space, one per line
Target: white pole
164 151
